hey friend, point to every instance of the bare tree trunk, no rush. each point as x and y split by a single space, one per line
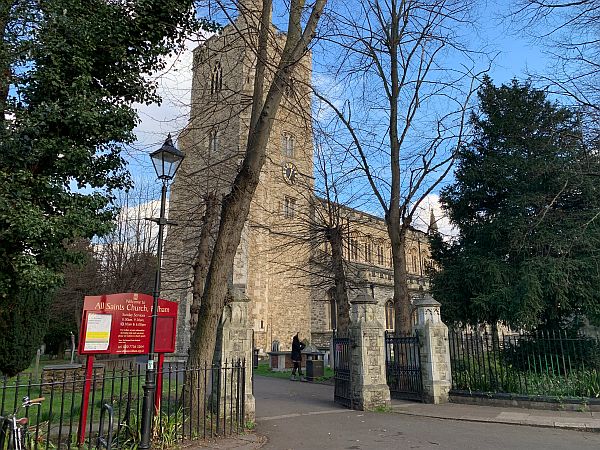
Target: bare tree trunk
236 204
334 236
203 256
396 44
402 305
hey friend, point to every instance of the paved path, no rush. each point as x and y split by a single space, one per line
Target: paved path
302 416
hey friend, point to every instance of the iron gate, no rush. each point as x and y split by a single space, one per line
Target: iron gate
342 363
403 367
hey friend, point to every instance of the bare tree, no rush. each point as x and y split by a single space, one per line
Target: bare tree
121 261
127 255
570 33
203 255
84 278
406 115
266 98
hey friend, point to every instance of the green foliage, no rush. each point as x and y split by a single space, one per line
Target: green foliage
70 71
58 335
23 321
167 431
506 379
526 203
543 364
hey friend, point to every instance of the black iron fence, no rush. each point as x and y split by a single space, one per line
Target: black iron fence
213 407
546 364
342 366
403 366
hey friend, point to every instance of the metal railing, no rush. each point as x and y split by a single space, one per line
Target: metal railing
342 366
213 408
543 364
403 366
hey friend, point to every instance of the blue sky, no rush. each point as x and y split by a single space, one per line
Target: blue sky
517 55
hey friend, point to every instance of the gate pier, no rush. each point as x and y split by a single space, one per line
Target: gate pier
434 349
369 387
235 336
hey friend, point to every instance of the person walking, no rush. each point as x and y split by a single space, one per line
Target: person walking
297 348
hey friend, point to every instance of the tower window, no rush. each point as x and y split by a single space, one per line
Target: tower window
216 79
287 145
213 141
289 207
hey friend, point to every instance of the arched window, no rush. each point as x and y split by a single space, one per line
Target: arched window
216 79
289 207
427 265
213 141
287 145
353 249
368 251
389 315
380 255
414 262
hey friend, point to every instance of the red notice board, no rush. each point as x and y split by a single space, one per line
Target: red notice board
120 324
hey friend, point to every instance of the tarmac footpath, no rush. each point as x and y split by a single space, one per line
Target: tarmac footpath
302 416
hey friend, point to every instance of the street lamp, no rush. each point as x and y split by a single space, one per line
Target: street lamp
166 161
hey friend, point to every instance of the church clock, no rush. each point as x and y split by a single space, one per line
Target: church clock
290 172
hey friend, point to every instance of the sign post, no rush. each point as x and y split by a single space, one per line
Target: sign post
120 324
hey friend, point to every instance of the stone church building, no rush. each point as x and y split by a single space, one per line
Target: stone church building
278 265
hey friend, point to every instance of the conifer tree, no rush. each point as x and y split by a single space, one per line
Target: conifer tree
526 202
70 73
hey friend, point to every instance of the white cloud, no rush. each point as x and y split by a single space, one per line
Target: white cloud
174 86
171 116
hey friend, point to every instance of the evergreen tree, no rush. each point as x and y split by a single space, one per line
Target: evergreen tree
527 207
70 71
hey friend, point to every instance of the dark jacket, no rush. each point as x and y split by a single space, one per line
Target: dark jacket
297 348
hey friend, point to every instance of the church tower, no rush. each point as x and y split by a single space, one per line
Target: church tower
273 256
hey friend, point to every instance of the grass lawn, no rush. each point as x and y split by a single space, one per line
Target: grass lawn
264 370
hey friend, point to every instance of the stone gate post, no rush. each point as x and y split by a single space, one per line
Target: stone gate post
369 386
235 335
434 349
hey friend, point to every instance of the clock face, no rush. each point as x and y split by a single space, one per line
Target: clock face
290 173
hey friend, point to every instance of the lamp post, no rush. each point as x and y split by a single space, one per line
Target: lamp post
166 161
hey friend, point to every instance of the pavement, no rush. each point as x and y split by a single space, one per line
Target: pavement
302 416
583 421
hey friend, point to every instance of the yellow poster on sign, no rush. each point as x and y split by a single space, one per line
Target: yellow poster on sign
97 332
